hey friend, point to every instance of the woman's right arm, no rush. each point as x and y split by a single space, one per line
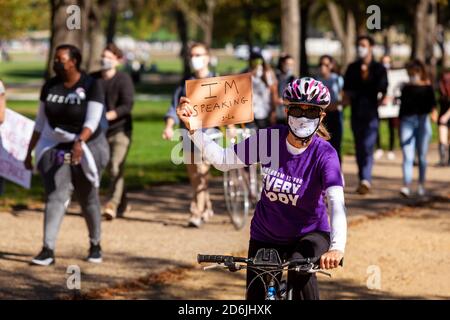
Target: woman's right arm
223 159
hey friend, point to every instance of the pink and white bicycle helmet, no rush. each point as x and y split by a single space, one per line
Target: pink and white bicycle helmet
307 91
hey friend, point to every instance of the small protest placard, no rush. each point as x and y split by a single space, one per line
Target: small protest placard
220 101
15 135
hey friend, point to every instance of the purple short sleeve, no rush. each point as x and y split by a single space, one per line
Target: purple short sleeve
331 170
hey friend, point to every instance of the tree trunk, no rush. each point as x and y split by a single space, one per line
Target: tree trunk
347 35
209 22
112 22
425 24
290 30
96 38
183 34
59 30
304 21
248 15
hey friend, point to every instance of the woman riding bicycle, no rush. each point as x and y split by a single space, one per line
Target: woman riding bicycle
301 170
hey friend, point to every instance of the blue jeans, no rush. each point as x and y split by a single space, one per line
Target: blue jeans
365 133
415 131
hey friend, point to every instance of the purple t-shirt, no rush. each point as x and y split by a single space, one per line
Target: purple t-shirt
292 202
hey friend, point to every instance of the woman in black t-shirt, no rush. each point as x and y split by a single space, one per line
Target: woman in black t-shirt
417 102
71 149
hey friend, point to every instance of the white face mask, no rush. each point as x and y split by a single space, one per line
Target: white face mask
415 79
197 63
387 66
259 72
303 127
107 64
363 52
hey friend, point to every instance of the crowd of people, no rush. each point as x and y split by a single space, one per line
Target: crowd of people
84 127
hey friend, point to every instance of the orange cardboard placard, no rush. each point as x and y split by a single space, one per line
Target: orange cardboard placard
220 101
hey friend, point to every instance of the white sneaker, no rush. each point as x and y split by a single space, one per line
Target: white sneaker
195 222
421 190
391 156
405 191
378 154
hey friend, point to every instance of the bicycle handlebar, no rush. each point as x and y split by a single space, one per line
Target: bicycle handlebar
219 259
204 258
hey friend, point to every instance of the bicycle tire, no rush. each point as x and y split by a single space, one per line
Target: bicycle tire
236 197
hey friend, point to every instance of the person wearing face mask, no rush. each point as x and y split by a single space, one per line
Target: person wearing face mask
291 215
201 207
391 98
417 103
71 149
265 91
285 74
334 82
119 99
365 85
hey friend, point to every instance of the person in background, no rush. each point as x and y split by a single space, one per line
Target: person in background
2 119
2 102
364 80
201 206
335 83
285 74
71 149
265 91
444 119
392 122
417 102
119 99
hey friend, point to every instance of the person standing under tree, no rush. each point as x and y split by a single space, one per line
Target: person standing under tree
119 100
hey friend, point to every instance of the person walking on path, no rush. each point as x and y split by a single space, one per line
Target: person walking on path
71 150
444 119
417 102
365 80
201 207
391 97
334 120
119 99
285 74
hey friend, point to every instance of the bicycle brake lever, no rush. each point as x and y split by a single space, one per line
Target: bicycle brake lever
323 272
214 266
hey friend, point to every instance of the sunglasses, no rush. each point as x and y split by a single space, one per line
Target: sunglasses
311 112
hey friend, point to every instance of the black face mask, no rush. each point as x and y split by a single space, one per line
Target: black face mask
58 67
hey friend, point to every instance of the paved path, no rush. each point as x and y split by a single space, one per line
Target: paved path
153 237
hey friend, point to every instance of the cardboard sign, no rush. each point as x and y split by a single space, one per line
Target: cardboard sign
15 135
220 101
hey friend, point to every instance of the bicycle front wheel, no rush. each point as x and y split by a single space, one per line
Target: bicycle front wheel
236 197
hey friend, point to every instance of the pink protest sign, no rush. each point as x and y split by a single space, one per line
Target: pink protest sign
15 135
